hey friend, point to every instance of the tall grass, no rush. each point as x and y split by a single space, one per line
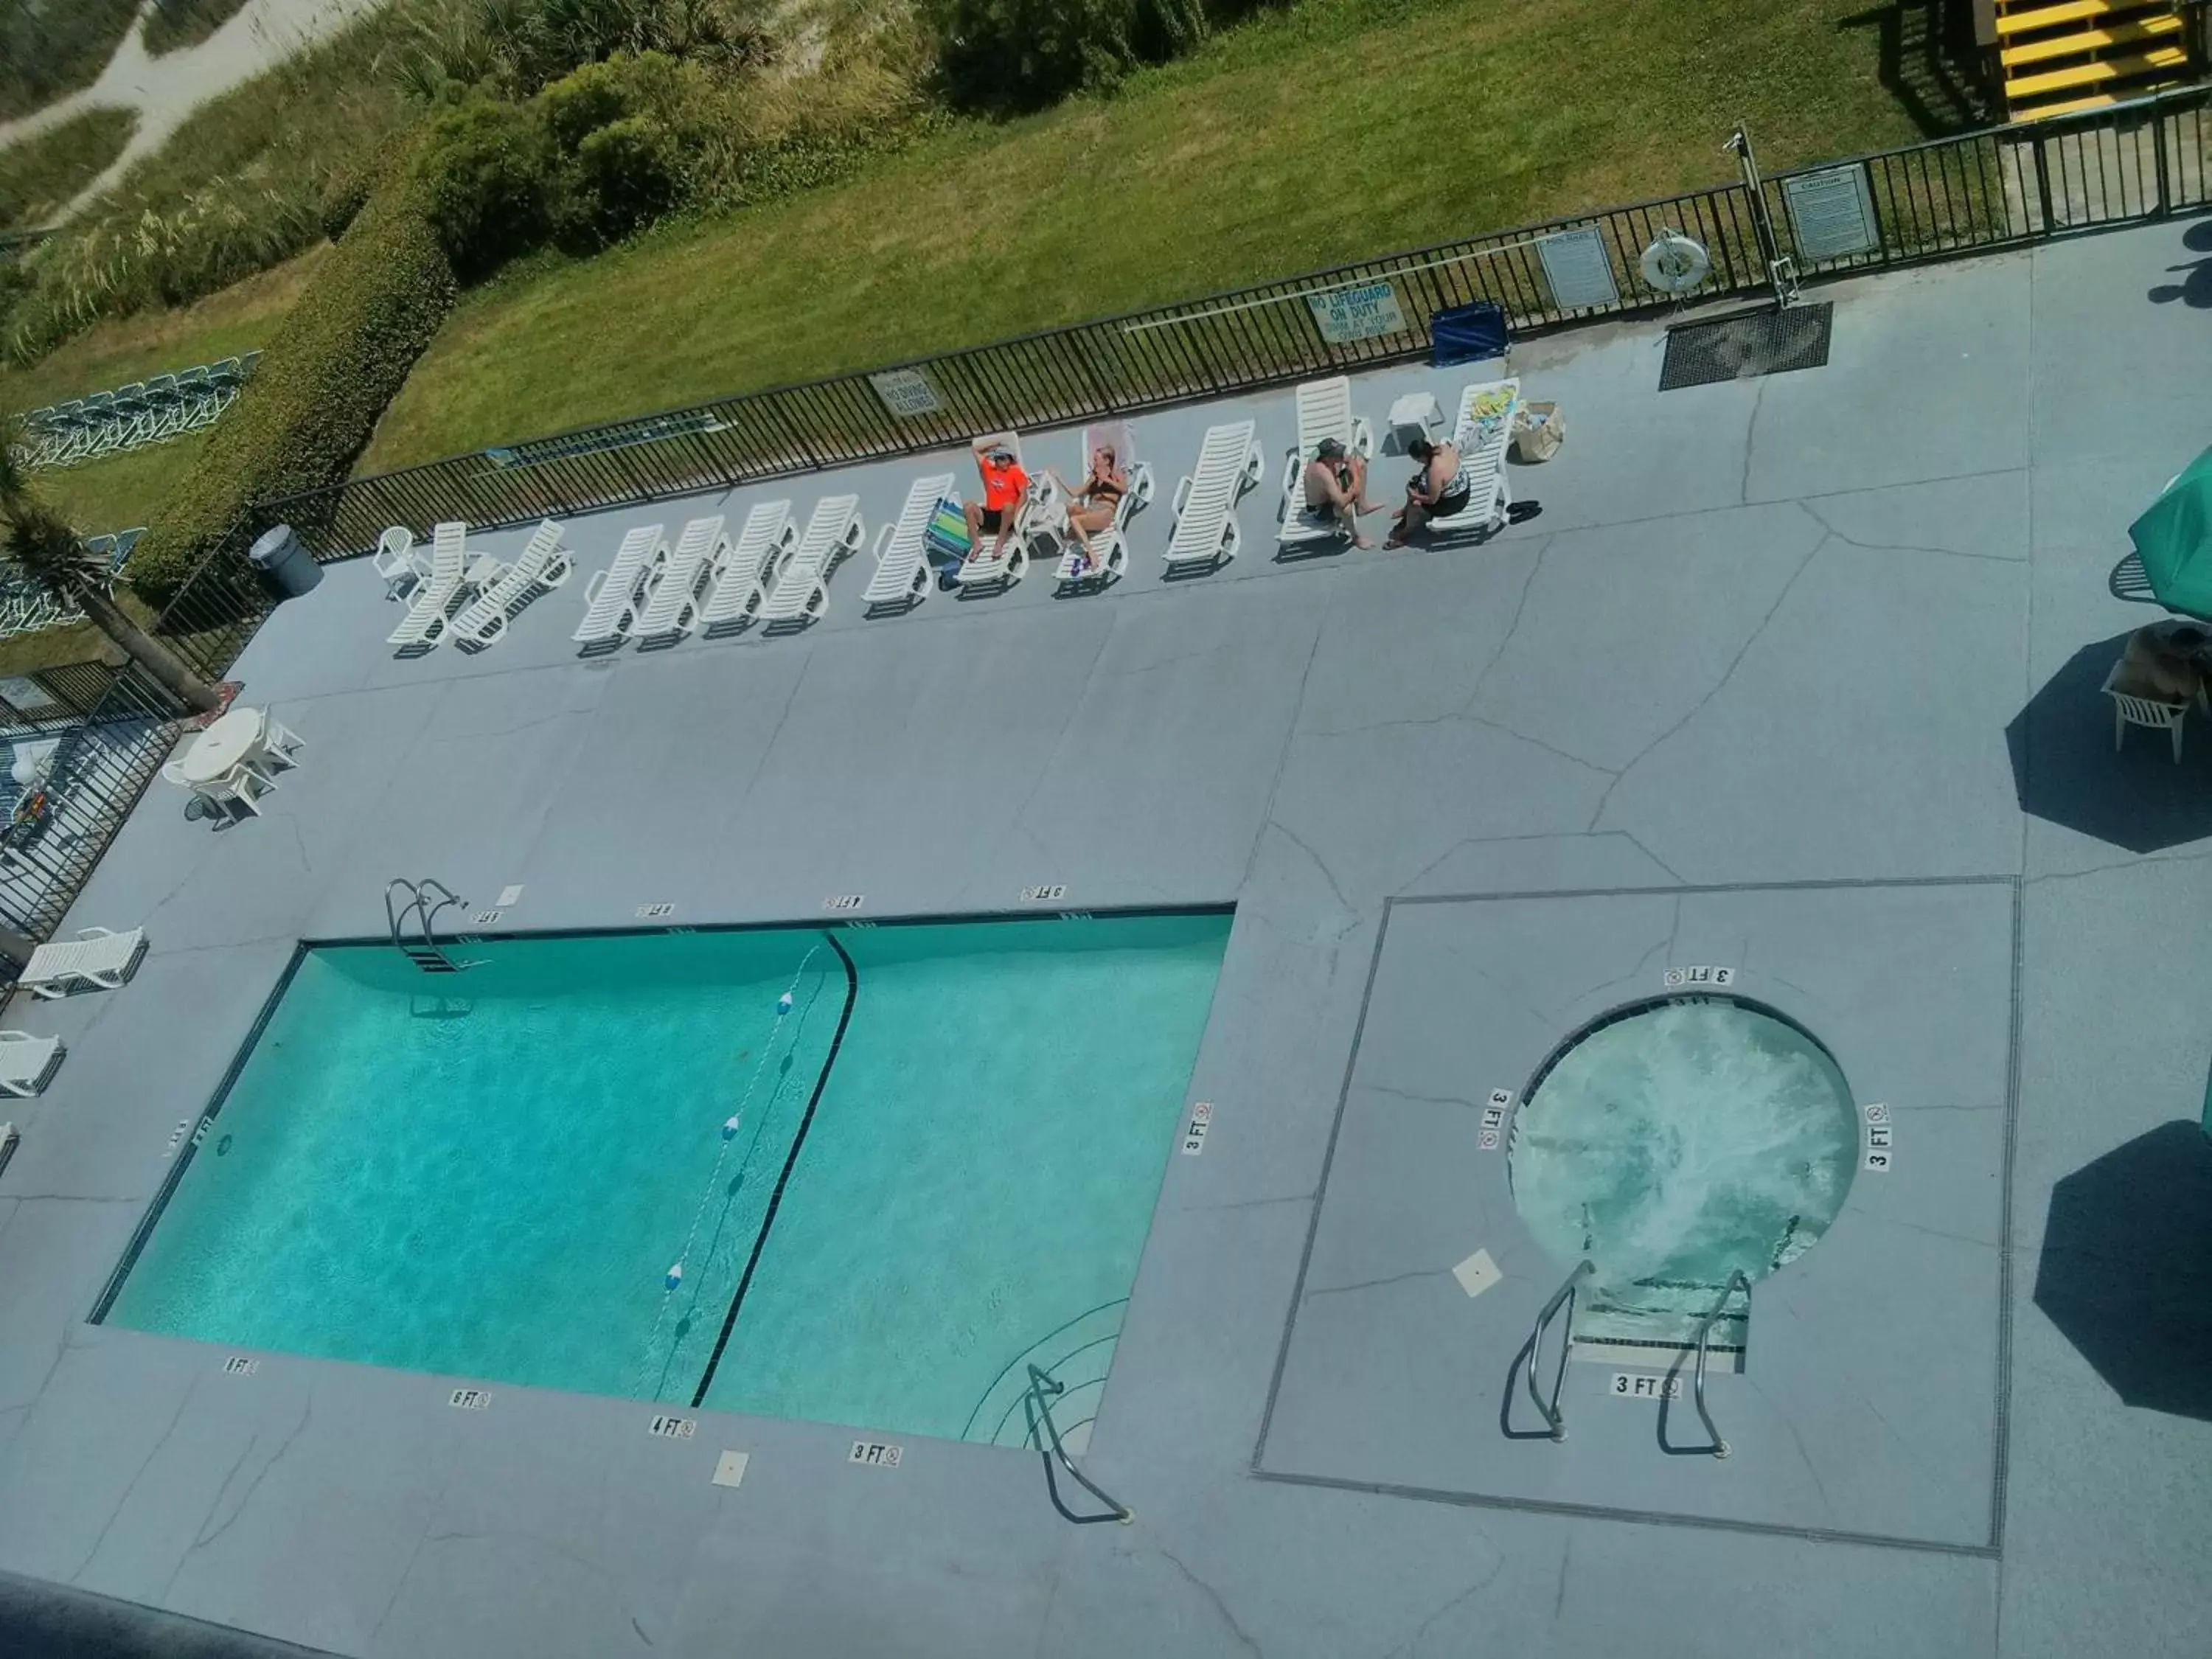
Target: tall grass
39 175
179 23
50 47
238 188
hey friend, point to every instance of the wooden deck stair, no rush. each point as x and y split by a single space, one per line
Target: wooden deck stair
2061 56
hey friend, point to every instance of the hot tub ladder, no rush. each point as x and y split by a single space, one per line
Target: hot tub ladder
423 951
1036 1403
1738 1278
1554 1415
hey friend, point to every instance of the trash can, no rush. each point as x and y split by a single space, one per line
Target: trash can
288 567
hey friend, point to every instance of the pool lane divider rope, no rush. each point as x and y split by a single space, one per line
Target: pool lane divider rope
790 1161
673 1280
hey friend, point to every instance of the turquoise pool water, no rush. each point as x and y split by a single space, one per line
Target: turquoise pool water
1681 1143
919 1172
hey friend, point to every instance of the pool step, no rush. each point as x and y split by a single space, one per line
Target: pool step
1659 1330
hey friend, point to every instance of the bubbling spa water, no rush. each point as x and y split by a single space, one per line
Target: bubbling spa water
1673 1144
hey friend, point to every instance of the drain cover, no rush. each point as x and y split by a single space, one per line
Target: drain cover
1737 348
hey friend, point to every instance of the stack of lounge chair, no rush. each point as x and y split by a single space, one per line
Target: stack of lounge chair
149 411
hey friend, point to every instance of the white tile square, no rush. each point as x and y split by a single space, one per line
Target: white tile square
1477 1274
730 1468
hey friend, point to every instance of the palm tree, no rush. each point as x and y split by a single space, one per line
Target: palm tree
38 542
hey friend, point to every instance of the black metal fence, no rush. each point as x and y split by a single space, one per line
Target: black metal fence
79 762
95 733
1992 189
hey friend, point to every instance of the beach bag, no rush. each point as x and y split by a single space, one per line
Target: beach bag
945 543
1538 432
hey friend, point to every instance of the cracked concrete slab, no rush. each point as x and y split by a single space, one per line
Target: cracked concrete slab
1769 631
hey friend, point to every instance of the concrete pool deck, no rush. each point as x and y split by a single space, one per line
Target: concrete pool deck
1800 660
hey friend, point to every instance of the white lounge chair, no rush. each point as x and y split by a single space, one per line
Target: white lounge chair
1324 411
27 1063
1230 462
673 610
985 568
1482 433
97 956
1110 547
741 581
612 596
545 564
901 574
425 623
802 590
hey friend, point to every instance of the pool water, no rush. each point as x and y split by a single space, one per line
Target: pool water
1682 1142
884 1185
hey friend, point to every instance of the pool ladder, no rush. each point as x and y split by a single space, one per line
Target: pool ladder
424 951
1554 1414
1036 1403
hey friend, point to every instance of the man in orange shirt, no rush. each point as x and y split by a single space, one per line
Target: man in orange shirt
1005 483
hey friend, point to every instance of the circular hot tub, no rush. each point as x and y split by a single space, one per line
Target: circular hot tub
1673 1144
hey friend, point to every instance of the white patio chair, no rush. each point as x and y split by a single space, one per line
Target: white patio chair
612 596
1109 546
98 957
901 579
396 562
1324 412
280 742
245 784
425 623
27 1063
801 593
741 580
1482 433
673 609
545 564
2146 712
1230 462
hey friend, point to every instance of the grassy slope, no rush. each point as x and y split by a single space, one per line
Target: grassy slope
126 489
1437 118
51 47
181 23
39 174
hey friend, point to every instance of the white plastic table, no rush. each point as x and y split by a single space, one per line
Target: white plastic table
217 751
1416 415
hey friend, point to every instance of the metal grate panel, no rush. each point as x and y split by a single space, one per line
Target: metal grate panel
1737 348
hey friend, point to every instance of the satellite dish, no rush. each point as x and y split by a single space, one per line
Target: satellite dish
1675 264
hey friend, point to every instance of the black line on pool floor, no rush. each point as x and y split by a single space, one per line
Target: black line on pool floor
790 1161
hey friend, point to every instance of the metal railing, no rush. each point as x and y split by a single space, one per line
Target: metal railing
1720 1447
75 766
1997 188
1553 1414
1037 1404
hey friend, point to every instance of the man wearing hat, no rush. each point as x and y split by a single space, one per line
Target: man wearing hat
1336 487
1005 483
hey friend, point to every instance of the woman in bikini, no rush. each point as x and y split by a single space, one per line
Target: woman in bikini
1093 506
1437 491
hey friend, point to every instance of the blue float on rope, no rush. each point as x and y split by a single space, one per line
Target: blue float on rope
783 1003
675 1276
729 1126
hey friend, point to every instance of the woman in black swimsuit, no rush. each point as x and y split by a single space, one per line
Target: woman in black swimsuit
1092 508
1438 490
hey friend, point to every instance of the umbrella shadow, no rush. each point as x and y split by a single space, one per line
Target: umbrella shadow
2126 1267
2068 772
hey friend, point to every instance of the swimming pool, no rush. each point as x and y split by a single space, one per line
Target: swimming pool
852 1174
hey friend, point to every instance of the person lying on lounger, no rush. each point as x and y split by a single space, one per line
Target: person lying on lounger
1092 508
1437 491
1005 483
1336 487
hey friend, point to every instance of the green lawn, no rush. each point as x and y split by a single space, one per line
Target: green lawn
1338 129
125 490
39 175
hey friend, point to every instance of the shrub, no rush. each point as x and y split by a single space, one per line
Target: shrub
1022 54
626 175
483 172
39 175
48 47
336 360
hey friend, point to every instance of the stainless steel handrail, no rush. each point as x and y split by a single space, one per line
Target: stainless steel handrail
419 906
1565 1296
1704 1333
1042 1387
